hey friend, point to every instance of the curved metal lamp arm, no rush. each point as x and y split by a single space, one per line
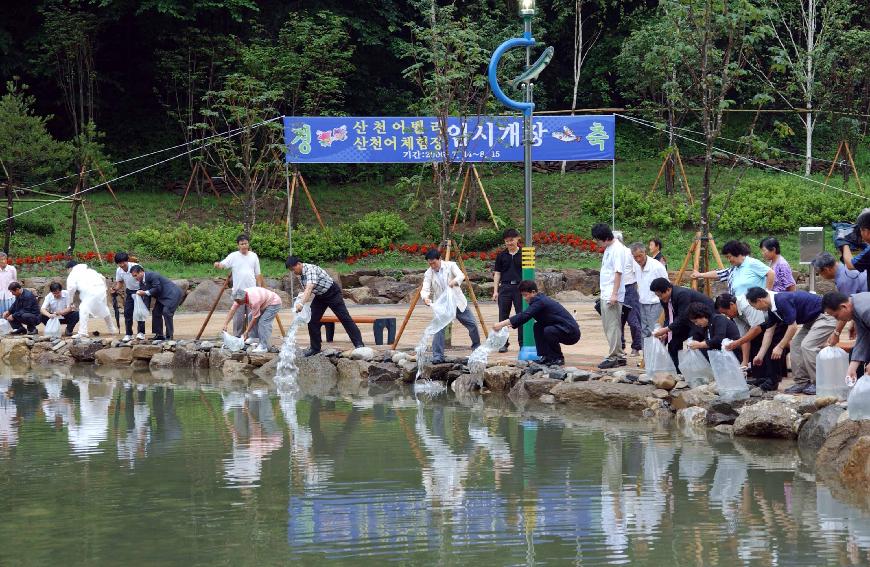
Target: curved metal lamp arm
526 107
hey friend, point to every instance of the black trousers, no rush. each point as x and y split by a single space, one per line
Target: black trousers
772 369
71 319
332 299
550 338
21 320
163 314
509 296
677 340
128 312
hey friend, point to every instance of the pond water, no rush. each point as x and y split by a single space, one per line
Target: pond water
108 471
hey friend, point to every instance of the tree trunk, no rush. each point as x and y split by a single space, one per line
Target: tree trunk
705 202
10 222
808 167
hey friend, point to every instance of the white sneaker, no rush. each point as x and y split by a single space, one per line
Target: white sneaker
250 341
140 336
126 339
259 349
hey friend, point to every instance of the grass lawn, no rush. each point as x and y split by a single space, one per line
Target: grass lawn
561 204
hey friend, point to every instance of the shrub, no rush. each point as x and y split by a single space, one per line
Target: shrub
480 239
378 229
34 225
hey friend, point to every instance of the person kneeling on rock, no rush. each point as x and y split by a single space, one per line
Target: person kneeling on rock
264 306
554 326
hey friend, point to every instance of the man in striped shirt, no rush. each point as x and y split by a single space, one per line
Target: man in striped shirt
317 284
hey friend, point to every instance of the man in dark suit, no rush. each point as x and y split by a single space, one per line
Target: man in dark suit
554 325
167 296
675 303
24 312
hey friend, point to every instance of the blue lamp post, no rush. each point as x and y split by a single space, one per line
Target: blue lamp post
527 106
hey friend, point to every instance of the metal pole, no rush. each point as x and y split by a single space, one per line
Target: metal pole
529 350
289 223
613 193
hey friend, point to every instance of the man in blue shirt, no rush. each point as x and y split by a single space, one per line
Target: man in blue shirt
847 281
795 309
553 327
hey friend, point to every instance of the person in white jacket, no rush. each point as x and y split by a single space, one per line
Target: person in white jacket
92 296
446 276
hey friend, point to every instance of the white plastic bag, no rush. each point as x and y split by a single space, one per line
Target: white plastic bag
5 327
233 344
832 365
656 357
729 377
140 312
443 313
496 340
859 399
695 368
52 327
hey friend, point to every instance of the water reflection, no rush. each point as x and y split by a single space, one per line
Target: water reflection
387 478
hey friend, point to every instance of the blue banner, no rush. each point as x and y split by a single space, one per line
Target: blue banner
406 139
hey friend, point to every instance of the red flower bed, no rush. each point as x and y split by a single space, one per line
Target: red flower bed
541 238
51 258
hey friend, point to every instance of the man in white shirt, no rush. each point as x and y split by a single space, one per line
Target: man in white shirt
91 287
56 305
8 274
443 276
646 269
245 266
632 301
613 266
124 278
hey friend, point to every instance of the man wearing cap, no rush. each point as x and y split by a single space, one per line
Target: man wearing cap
322 291
263 306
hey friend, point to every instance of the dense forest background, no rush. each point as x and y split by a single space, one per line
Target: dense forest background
86 83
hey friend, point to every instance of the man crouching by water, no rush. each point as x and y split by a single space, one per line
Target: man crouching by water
554 326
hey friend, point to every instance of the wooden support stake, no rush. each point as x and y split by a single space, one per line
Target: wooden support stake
852 162
106 181
208 180
91 230
834 163
685 265
407 318
683 175
461 196
471 292
187 189
280 326
716 253
661 171
696 264
485 198
213 307
76 201
311 200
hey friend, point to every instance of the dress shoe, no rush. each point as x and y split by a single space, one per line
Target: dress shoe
612 363
504 348
810 390
796 389
310 352
557 362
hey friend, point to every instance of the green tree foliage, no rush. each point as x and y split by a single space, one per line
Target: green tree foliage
27 151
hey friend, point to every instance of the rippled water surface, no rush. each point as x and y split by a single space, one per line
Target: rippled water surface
105 471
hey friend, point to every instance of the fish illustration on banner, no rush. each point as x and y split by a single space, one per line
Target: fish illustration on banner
474 139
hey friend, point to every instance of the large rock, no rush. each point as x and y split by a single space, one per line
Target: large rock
584 281
145 352
550 283
414 279
162 360
236 369
817 428
118 356
384 372
202 298
721 413
349 280
664 380
85 350
604 395
14 351
694 416
184 285
845 455
188 358
350 371
391 289
268 371
501 378
49 354
259 359
537 387
571 296
368 280
767 418
701 396
317 375
376 300
356 294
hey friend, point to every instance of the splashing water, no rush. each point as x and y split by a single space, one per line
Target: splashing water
287 371
443 313
478 359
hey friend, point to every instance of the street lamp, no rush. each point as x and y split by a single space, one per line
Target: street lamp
525 81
